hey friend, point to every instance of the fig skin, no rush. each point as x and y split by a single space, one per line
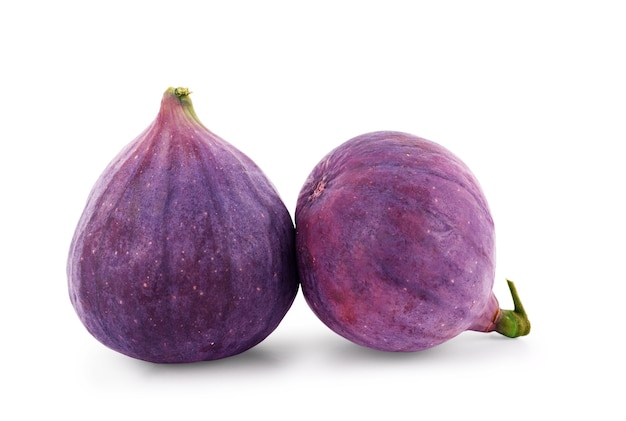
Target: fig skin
185 251
396 245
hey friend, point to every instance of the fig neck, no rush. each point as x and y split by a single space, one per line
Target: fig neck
177 104
510 323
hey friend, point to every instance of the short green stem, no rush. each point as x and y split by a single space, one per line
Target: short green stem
184 99
181 92
513 323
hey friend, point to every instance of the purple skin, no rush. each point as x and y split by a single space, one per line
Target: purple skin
395 245
184 251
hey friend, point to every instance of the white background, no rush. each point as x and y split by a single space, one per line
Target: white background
531 95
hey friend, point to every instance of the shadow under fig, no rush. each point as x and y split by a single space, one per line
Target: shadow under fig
468 346
262 358
279 353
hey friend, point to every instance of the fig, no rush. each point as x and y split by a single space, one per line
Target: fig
185 251
396 246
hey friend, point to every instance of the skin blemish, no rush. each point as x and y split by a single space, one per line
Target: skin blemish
319 188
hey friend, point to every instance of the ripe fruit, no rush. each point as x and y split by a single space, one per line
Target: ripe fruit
395 245
184 251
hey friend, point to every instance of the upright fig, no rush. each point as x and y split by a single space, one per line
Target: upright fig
184 251
396 245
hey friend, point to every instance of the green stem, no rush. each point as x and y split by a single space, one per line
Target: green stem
182 94
179 92
513 323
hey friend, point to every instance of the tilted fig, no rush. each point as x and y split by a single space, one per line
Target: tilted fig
184 251
395 246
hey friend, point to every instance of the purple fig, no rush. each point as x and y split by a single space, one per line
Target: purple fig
395 246
184 251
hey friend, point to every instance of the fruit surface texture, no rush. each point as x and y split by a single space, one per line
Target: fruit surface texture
396 244
184 251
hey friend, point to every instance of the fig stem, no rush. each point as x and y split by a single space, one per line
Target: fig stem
182 94
513 323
